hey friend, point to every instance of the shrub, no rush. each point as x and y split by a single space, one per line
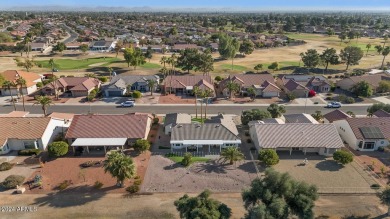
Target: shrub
269 157
375 186
336 76
103 79
186 159
381 149
141 145
218 78
333 88
12 181
98 185
291 96
349 100
328 98
39 84
137 177
86 164
133 189
5 166
343 157
329 94
330 77
156 120
138 182
136 94
58 148
29 152
64 185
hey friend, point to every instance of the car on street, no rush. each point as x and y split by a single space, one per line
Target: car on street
333 105
128 103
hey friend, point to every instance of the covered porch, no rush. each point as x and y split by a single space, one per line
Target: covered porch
215 146
98 144
319 150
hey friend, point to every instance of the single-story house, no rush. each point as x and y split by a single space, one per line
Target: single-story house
172 119
38 46
102 132
335 115
119 84
364 134
373 81
19 133
184 84
155 48
217 134
102 45
12 75
300 85
315 138
180 47
76 86
263 84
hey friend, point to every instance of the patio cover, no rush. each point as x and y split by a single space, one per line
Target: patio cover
99 142
199 142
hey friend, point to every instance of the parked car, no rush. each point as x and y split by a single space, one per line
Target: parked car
127 104
333 105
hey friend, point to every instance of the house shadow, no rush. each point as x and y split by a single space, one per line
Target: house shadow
71 197
210 167
247 167
173 166
328 165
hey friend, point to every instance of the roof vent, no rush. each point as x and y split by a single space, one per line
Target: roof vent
179 126
197 125
217 126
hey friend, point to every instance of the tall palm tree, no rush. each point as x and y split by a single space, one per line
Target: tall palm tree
164 61
110 70
385 52
27 42
120 166
21 82
207 94
151 85
368 47
52 63
44 101
196 92
231 154
232 87
7 85
173 62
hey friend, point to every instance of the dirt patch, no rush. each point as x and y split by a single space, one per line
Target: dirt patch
173 99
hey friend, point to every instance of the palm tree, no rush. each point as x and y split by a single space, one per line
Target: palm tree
384 196
163 61
120 166
385 52
196 92
21 82
27 42
232 87
90 75
206 94
231 154
44 101
110 70
52 63
368 46
7 86
151 85
385 38
352 114
318 116
173 62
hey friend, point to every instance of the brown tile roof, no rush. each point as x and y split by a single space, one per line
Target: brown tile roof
270 87
185 80
336 115
66 116
247 80
108 126
15 114
22 128
382 123
381 113
13 75
292 85
373 80
85 86
298 135
78 83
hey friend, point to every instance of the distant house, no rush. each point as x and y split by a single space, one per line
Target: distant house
119 84
172 119
38 46
102 45
180 47
263 84
186 83
155 48
365 134
20 133
373 81
210 136
335 115
76 86
12 75
105 132
300 85
315 138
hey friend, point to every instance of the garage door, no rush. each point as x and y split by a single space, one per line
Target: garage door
114 93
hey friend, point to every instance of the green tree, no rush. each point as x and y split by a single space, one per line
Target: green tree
202 206
53 81
60 47
120 166
128 55
384 86
342 37
258 67
228 47
173 31
379 49
368 47
204 63
232 87
142 145
149 53
57 148
44 101
274 66
318 116
311 58
343 157
136 94
275 110
8 85
247 47
362 89
137 58
187 59
351 55
384 197
84 48
164 61
21 83
187 159
378 106
118 47
253 115
27 63
251 92
351 114
329 56
277 195
269 157
385 52
231 155
151 85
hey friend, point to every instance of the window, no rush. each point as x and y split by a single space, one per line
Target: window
29 144
369 145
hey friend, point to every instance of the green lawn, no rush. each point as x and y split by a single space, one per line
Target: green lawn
235 67
69 64
149 65
303 36
198 120
282 64
178 159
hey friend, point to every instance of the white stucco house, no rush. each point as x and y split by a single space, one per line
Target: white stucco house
13 75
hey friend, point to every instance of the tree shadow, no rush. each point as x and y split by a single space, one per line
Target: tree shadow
71 197
322 217
381 216
356 217
173 166
247 167
210 167
329 165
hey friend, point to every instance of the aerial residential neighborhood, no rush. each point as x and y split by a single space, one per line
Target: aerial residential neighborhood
201 109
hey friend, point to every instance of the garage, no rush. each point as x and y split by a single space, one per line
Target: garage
115 93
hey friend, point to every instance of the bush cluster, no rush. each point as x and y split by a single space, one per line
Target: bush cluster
98 185
12 181
133 189
29 152
64 185
5 166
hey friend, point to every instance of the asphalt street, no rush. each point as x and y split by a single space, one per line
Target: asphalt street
159 109
73 34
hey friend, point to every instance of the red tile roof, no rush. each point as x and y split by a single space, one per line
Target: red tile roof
13 75
381 113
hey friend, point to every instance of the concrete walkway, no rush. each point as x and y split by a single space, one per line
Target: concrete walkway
384 99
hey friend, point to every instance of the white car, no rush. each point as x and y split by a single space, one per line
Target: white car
333 105
128 104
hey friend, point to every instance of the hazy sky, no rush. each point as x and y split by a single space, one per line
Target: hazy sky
318 4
